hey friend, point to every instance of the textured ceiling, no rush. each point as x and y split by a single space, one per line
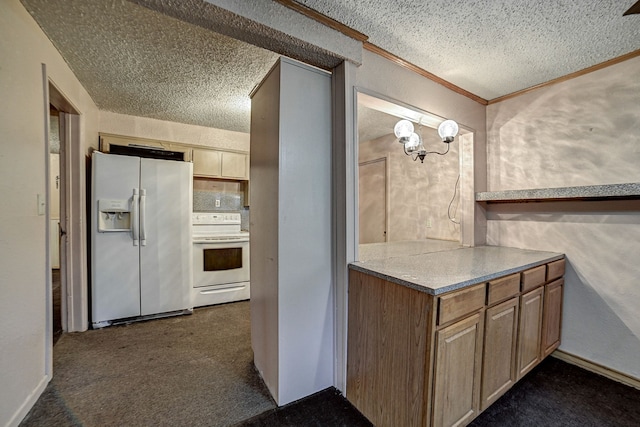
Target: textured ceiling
493 47
373 124
169 61
136 61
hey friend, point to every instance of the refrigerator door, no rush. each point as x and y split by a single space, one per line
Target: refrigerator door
165 224
115 272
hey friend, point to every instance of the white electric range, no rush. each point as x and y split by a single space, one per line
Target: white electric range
220 259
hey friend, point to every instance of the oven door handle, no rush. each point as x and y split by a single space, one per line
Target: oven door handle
221 241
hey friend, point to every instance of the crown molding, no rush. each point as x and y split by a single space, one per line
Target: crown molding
588 70
324 19
424 73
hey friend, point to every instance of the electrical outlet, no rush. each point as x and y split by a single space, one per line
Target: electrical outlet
428 223
217 203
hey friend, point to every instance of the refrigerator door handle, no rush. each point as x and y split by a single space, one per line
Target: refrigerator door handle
134 217
143 229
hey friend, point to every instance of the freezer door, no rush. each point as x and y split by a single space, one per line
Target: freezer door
115 271
165 223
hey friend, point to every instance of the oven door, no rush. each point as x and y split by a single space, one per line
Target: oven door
220 262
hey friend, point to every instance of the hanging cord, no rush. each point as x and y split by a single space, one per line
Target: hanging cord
455 190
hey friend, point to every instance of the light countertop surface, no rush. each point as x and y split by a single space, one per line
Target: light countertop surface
609 191
437 267
373 251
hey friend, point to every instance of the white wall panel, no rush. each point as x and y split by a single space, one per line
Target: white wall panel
264 176
305 234
291 231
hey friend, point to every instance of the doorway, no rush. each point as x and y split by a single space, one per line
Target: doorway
62 185
373 184
421 193
54 221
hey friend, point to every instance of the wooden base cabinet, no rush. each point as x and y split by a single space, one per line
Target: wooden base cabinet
552 317
388 350
415 359
499 356
530 330
456 390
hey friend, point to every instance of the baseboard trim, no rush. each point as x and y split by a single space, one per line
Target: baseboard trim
597 368
28 403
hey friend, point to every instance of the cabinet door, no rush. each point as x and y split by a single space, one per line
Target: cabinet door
530 331
552 318
206 163
457 372
234 165
499 354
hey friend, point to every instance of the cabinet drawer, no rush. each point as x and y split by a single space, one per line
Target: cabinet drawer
533 277
457 304
555 269
503 288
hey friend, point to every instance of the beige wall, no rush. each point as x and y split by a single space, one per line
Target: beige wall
23 258
142 127
585 131
581 132
418 192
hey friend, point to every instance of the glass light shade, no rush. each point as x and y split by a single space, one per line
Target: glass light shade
412 142
448 130
403 129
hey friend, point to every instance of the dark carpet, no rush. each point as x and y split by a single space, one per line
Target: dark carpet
559 394
190 370
327 408
198 371
554 394
57 301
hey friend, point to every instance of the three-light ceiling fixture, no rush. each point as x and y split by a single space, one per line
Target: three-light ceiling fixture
412 141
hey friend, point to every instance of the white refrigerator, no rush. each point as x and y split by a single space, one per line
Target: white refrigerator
141 248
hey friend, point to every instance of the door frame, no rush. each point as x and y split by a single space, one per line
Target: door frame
73 273
387 187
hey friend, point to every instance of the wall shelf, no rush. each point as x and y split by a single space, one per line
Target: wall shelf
627 191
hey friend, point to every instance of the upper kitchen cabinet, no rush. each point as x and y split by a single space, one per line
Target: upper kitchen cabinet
235 165
206 163
220 164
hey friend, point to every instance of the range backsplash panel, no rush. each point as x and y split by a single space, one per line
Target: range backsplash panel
229 193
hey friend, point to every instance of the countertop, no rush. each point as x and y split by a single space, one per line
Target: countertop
628 191
437 267
373 251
